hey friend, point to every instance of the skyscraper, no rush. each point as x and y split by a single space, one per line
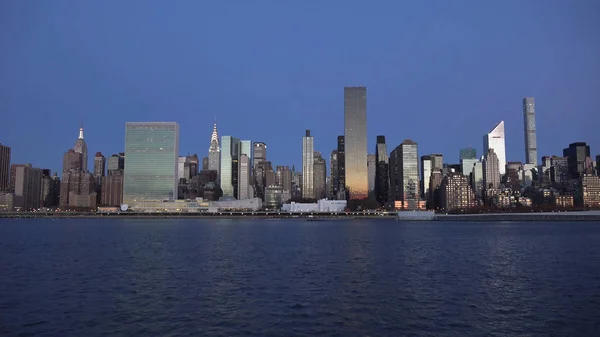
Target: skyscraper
495 140
320 176
491 170
28 187
468 153
81 147
355 137
4 167
214 151
371 168
341 161
576 155
244 171
334 174
230 149
530 133
308 150
426 169
151 149
382 173
260 153
404 174
99 165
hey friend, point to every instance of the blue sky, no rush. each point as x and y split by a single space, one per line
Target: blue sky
439 72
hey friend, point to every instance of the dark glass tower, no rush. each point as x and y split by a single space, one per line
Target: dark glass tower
355 136
382 178
341 161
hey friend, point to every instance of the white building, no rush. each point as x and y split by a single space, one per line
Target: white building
323 205
308 150
495 140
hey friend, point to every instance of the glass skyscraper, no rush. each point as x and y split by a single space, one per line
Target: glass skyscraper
229 161
495 140
355 137
530 136
150 171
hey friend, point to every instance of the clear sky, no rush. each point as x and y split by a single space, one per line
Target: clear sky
442 73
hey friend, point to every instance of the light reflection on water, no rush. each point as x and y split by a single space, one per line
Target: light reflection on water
282 277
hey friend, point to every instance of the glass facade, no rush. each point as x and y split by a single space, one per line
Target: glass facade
530 135
308 188
468 153
229 161
150 172
355 137
495 140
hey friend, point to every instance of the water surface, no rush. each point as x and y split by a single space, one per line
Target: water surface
298 278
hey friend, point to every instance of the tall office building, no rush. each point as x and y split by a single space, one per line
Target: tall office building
333 173
371 169
112 184
437 161
491 170
468 153
308 152
598 164
151 149
382 173
320 176
404 174
81 147
530 134
214 152
341 161
426 169
230 149
28 187
355 137
576 155
477 178
495 140
260 153
4 167
99 165
244 186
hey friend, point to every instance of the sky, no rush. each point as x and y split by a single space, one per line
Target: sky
441 73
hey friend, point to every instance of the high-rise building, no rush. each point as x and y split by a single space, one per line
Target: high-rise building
404 174
50 189
530 133
4 167
112 184
355 137
341 161
468 153
491 170
99 165
28 187
308 152
371 169
467 165
382 171
559 169
456 192
214 151
576 155
426 169
244 177
598 165
260 153
495 140
437 161
205 162
320 176
477 178
151 149
230 149
81 147
334 174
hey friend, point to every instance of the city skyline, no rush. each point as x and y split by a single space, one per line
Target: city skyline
266 84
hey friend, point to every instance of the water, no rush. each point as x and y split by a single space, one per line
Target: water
300 278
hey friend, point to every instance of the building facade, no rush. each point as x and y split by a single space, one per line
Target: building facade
529 130
4 167
495 140
382 173
491 170
456 192
371 169
320 176
576 155
230 148
341 161
28 187
214 151
355 138
404 174
468 153
81 147
308 152
151 149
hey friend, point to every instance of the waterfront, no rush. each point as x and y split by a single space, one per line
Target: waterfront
268 277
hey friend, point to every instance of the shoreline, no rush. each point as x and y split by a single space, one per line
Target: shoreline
397 216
